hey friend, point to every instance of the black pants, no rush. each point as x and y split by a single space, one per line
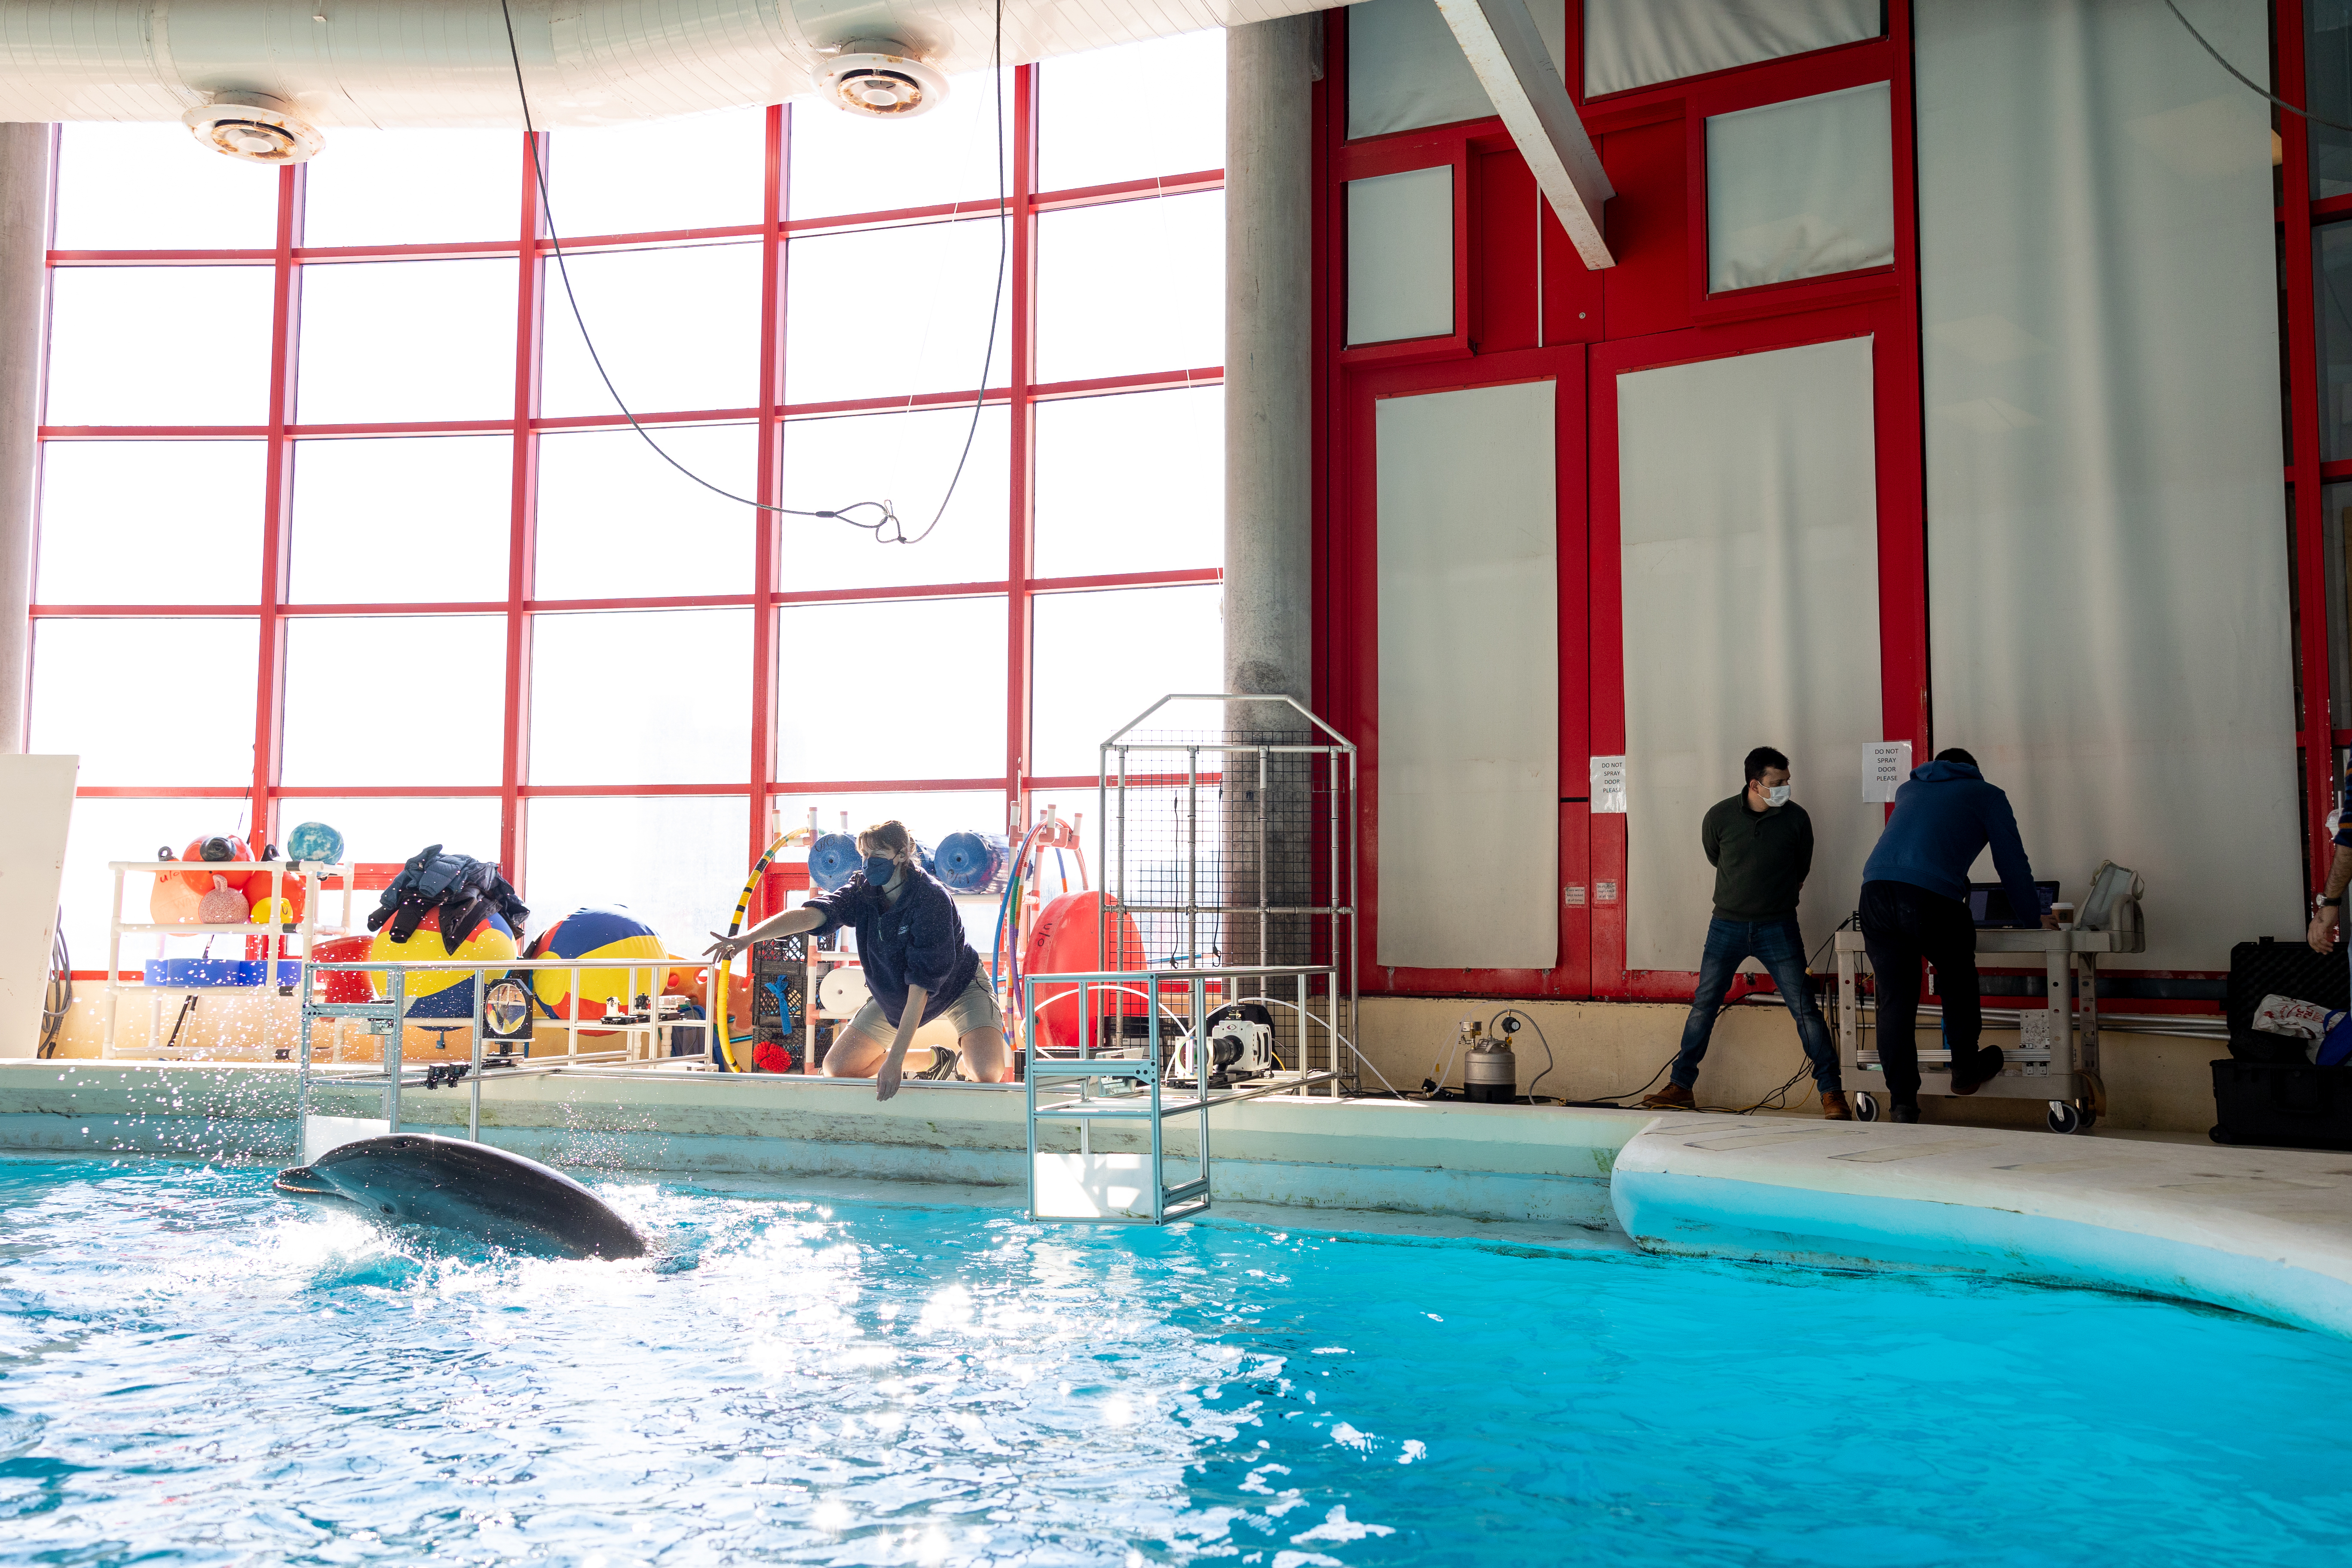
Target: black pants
1901 924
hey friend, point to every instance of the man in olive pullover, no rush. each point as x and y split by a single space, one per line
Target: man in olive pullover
1761 844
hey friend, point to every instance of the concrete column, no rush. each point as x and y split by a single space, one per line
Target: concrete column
1269 197
1267 849
23 242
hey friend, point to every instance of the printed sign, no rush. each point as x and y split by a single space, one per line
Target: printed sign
1885 765
1572 895
1604 892
1609 784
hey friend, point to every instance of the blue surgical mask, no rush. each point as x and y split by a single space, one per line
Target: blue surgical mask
880 868
1775 795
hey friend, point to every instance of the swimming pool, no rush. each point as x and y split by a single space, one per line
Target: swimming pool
193 1369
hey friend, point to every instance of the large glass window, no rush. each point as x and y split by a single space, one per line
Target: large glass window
391 594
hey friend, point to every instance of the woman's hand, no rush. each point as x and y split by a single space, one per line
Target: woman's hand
726 947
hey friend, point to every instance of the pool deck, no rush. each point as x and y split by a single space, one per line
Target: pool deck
2263 1231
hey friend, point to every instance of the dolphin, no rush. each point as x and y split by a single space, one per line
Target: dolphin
506 1200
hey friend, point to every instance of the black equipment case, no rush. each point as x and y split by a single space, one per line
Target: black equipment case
2267 1092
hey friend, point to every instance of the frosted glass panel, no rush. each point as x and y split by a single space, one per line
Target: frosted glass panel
848 163
1749 507
111 327
413 520
700 171
907 459
1400 256
1133 287
1131 483
395 700
88 676
399 187
615 520
1156 108
1469 679
2101 383
1404 69
885 313
676 861
385 341
1800 189
677 329
950 651
378 830
641 697
1103 657
1632 43
155 522
145 187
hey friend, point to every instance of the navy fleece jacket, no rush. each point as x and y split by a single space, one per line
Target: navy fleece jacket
1944 813
917 941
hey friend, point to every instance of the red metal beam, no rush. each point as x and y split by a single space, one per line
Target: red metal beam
769 482
523 518
2302 350
277 502
1018 535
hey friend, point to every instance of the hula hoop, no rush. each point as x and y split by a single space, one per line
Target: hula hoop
723 1042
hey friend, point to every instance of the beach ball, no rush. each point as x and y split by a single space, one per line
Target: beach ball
314 841
611 934
441 993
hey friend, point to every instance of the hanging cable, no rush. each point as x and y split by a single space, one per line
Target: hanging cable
2242 78
885 527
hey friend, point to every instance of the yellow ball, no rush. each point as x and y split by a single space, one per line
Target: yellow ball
274 912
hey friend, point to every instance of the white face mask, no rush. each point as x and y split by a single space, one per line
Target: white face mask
1775 795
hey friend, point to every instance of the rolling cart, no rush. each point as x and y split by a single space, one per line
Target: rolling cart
2056 1058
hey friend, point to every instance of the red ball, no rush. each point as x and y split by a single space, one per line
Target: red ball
770 1056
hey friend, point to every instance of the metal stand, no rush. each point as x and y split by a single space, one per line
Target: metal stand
309 877
1126 1081
2057 1055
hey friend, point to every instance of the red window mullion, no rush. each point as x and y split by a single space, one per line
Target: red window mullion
770 480
277 509
1018 618
522 523
2302 350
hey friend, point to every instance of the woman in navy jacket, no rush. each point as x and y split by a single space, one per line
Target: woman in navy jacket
918 966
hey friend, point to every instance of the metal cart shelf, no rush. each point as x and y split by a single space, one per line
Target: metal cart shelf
2056 1058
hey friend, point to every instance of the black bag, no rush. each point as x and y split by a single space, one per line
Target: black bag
2274 968
2283 1105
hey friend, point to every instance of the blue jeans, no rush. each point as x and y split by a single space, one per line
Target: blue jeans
1781 950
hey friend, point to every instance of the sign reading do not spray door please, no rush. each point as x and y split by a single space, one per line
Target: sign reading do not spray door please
1609 784
1885 765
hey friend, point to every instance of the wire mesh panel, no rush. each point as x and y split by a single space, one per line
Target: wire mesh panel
1228 840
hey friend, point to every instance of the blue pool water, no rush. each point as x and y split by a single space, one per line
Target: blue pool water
196 1370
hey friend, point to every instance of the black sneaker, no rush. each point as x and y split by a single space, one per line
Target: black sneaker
1982 1072
1902 1113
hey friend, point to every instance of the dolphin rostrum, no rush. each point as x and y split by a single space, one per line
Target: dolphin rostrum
415 1178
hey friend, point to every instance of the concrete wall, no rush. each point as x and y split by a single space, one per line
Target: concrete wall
1606 1048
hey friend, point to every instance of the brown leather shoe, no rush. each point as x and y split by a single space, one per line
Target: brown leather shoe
1834 1107
1674 1097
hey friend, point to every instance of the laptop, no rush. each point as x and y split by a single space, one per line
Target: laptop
1988 902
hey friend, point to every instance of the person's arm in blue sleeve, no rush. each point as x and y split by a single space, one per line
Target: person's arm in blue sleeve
820 914
2008 859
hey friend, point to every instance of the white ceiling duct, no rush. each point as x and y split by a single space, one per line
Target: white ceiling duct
411 63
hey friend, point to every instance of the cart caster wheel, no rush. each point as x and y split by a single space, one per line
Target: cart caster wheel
2064 1118
2089 1112
1865 1107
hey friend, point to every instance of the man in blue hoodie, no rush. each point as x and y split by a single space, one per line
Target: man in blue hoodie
1915 905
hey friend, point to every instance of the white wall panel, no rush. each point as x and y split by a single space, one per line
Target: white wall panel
1800 188
1632 43
1400 256
1749 512
1404 69
2107 572
1468 840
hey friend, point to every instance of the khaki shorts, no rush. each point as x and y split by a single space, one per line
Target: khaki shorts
975 1009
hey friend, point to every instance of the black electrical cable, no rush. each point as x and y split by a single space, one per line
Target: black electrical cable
2242 78
886 528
